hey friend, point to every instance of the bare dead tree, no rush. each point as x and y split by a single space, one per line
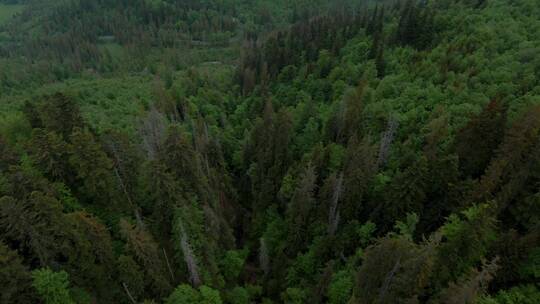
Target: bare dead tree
113 148
386 141
468 291
129 293
264 259
153 131
168 264
136 211
333 214
189 258
201 141
388 280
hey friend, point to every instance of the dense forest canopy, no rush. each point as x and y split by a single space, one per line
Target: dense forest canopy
257 151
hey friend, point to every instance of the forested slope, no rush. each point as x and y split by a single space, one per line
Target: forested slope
270 152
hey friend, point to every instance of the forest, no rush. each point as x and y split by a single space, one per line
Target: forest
270 151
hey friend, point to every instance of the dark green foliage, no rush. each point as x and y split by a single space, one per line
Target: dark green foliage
416 25
92 167
15 277
142 246
466 240
477 141
470 288
57 113
35 225
299 212
326 151
394 271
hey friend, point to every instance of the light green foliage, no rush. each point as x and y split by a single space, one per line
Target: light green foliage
365 232
531 267
8 10
232 264
183 294
527 294
340 289
467 239
294 296
14 127
275 233
406 228
287 187
209 295
302 268
238 295
187 294
337 154
53 287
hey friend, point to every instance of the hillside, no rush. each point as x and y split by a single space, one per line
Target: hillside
253 151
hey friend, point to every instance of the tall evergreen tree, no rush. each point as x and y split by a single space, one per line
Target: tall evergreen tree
476 142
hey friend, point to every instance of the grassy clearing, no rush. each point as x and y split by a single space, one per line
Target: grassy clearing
8 10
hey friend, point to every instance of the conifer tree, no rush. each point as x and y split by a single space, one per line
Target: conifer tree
476 142
299 211
49 152
36 225
395 270
142 245
93 169
467 238
15 278
508 172
58 113
360 168
472 287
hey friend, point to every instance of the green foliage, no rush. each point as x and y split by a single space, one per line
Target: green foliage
183 294
340 289
394 271
259 152
407 228
294 296
531 266
467 240
15 278
232 264
53 287
365 232
8 10
238 295
209 295
527 294
186 294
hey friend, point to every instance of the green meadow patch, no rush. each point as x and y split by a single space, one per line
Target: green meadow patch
8 10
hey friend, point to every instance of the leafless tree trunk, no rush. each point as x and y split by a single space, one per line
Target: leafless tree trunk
129 293
168 264
333 214
388 280
136 212
264 259
153 130
190 259
118 163
469 290
386 141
